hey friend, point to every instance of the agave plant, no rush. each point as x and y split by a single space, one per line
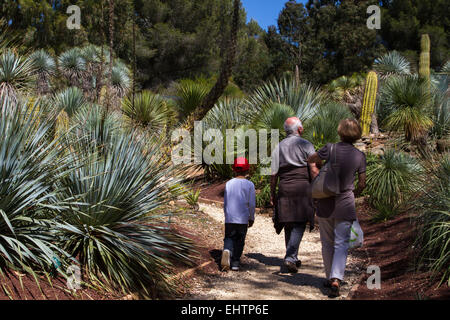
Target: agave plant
73 66
393 179
406 101
149 110
322 128
302 98
392 64
15 74
30 167
114 225
70 100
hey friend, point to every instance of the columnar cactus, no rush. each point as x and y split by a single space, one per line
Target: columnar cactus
370 97
424 63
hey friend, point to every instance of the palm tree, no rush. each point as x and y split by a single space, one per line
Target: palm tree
15 74
392 64
45 68
73 66
226 67
406 101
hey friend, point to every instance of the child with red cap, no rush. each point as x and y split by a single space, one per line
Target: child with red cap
239 209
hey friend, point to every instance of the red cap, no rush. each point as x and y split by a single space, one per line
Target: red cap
241 164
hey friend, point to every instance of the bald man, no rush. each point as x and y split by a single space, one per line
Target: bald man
292 174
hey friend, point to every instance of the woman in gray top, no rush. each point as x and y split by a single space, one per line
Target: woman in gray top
336 214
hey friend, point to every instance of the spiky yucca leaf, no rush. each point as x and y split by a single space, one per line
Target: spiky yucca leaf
150 110
70 100
273 116
45 68
121 80
303 98
30 167
393 179
392 64
190 95
228 113
406 101
72 66
15 74
434 221
115 227
322 128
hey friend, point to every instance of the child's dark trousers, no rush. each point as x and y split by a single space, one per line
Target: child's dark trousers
235 240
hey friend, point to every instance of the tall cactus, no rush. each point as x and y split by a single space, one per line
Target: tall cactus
424 63
370 97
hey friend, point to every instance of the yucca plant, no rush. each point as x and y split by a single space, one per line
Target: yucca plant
406 101
303 98
92 81
434 221
392 180
72 66
190 95
322 128
273 116
70 100
121 81
16 73
116 225
440 106
392 64
229 113
29 170
45 68
149 110
344 89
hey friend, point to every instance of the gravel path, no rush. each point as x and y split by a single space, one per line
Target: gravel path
262 277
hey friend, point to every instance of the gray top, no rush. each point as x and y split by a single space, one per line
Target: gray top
350 161
292 151
239 201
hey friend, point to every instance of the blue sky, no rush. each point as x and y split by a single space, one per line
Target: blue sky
264 11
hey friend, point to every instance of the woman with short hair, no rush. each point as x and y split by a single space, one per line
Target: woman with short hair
337 214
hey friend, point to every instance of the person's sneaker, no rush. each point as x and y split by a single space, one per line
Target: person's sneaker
334 290
225 262
235 267
291 266
327 283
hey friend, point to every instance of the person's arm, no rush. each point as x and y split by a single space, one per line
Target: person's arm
252 205
315 163
361 184
273 189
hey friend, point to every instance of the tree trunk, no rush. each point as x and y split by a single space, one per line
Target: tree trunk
226 67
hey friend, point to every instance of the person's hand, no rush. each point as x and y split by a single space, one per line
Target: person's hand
273 200
250 223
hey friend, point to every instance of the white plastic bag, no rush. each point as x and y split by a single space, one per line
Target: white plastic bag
356 236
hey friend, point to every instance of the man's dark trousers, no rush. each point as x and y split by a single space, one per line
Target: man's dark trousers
235 240
293 234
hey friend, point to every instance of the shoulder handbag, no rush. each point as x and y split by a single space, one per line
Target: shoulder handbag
326 184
